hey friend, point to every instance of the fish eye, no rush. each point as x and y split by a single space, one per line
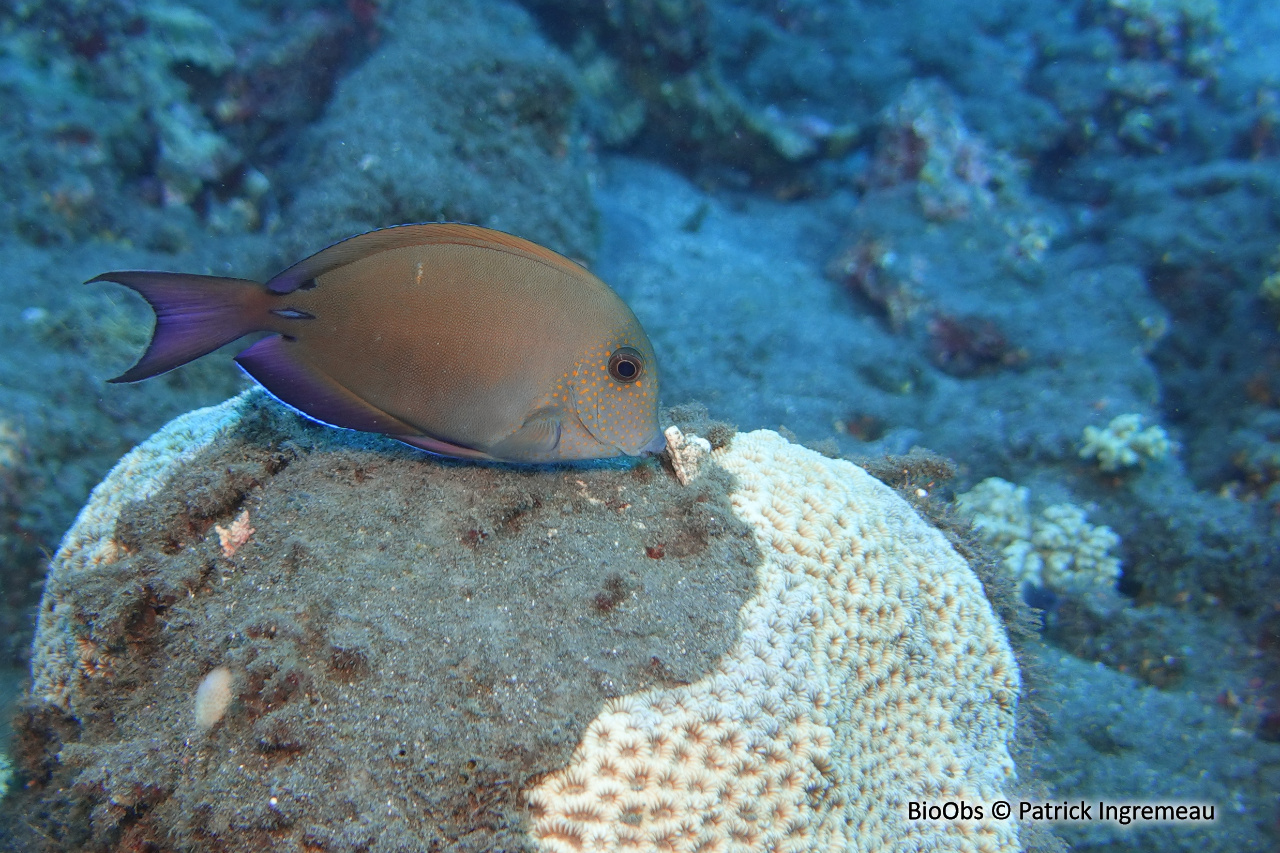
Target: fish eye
626 364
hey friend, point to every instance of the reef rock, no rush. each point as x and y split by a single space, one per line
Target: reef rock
428 655
463 114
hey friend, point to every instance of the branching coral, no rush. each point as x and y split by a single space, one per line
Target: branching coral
1124 443
1057 549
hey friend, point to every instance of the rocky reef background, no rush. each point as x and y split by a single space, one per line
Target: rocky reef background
978 228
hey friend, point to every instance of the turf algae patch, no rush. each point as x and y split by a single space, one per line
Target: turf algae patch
412 642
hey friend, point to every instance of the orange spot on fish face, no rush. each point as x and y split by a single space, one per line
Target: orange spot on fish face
618 414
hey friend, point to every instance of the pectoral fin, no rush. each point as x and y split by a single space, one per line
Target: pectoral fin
533 442
537 437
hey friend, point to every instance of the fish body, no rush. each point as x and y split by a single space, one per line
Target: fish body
457 339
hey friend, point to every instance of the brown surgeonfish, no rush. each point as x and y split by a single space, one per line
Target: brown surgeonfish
456 339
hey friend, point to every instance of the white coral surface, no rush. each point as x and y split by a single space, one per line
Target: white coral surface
869 671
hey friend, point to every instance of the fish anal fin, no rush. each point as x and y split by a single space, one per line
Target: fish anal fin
443 448
275 364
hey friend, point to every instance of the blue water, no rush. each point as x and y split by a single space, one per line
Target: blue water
972 227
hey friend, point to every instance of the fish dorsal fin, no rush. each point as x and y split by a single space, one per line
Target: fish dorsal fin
401 236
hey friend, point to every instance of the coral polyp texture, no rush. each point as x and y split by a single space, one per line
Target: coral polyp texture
869 671
1125 443
414 655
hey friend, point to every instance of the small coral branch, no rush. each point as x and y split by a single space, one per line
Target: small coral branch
686 453
1057 548
234 536
1124 443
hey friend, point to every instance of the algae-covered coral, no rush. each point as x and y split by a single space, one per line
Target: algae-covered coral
414 621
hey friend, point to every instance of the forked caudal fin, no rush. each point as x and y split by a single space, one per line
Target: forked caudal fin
195 314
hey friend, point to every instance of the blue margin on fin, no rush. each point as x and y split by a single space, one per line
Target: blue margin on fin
444 448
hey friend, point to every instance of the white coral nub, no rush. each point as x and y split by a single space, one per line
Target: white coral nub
233 537
686 453
213 697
